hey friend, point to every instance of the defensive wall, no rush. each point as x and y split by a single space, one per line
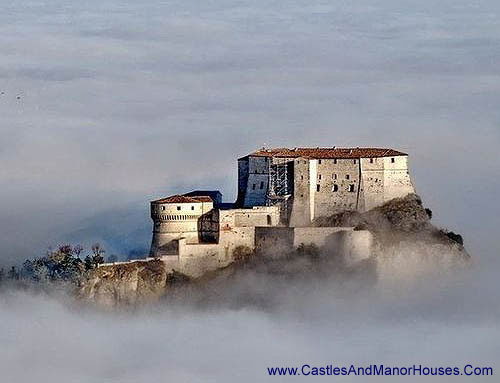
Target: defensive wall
196 259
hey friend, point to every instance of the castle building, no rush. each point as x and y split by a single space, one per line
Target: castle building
308 183
277 188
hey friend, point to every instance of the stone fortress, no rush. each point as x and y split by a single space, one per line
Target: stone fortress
280 194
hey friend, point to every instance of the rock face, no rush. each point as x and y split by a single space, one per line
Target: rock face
125 284
408 245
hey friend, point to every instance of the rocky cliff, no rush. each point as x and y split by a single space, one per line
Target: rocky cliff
407 244
127 283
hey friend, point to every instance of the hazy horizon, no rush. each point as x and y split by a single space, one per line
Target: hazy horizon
124 102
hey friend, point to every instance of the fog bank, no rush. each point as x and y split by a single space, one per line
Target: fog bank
447 319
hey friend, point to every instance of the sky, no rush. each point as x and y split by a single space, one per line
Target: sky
105 105
123 102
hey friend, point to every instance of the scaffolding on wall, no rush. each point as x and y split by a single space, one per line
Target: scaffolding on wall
281 187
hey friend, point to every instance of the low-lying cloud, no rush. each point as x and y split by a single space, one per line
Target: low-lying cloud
258 321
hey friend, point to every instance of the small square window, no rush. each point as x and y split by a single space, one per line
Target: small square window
178 208
335 161
393 160
318 187
371 160
354 161
319 162
319 176
347 176
351 188
192 207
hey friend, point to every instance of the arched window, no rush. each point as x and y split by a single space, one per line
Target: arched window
335 188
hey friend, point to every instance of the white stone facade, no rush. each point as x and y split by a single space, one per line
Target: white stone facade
322 181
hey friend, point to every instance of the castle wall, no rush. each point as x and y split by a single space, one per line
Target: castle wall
397 182
315 235
352 245
328 186
324 187
301 204
273 240
256 216
196 259
372 183
243 173
338 182
384 179
257 185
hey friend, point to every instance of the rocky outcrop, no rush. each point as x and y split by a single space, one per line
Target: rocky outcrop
126 284
407 244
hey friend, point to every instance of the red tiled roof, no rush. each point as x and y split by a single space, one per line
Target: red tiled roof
327 152
183 199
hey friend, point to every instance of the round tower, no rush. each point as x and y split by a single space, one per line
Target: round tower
174 218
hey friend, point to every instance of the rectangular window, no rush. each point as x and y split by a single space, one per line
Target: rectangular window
319 176
301 177
351 188
393 160
318 187
178 208
192 207
354 161
254 186
334 176
335 161
335 188
261 185
371 160
347 176
319 162
163 208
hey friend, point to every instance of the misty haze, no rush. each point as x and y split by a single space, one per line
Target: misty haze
107 106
